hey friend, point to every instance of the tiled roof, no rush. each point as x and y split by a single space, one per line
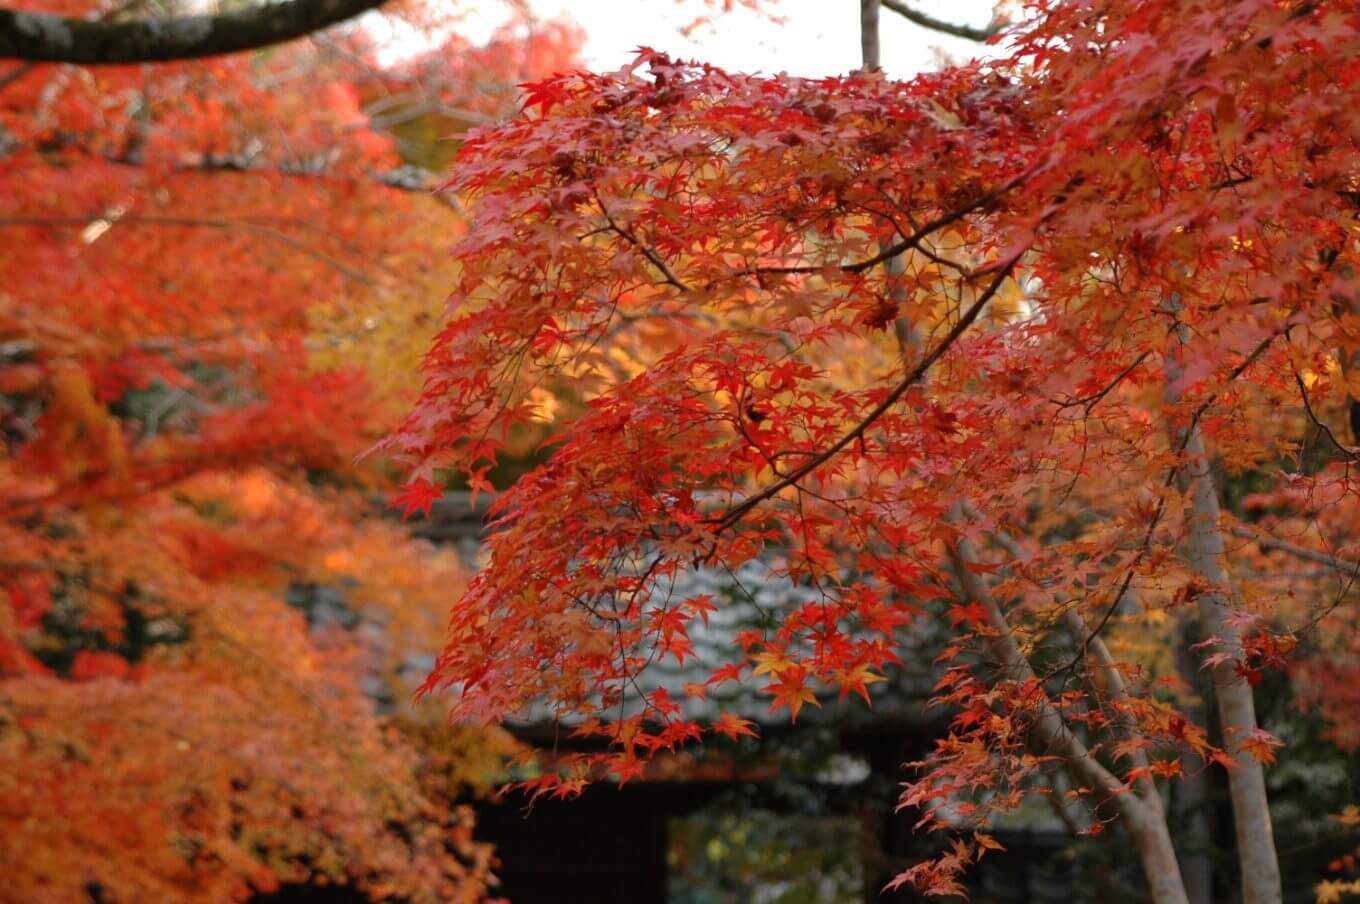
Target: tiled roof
752 596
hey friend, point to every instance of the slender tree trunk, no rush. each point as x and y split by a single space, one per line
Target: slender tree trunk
1192 799
1204 550
868 35
1236 706
1350 364
1152 838
871 55
1141 813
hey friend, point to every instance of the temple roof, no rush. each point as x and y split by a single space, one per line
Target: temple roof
750 596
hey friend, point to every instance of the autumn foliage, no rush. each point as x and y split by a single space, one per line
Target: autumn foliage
214 277
977 347
1058 352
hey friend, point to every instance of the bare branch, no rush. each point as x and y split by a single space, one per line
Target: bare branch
735 513
1344 567
1006 652
45 38
966 32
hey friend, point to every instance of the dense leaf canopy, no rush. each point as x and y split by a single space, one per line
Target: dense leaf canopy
946 348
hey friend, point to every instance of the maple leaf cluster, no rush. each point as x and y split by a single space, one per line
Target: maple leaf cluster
952 347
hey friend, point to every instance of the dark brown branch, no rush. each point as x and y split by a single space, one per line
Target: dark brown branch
45 38
734 514
24 69
907 244
966 32
1349 454
940 260
646 251
1091 401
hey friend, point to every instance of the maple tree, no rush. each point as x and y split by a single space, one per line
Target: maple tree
211 268
981 346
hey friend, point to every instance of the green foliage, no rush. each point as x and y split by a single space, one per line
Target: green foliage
722 856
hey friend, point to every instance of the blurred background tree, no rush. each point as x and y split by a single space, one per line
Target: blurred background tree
215 279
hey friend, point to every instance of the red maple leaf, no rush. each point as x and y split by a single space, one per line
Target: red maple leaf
734 727
417 496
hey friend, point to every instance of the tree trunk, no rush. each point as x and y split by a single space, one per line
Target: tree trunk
1142 815
1151 836
871 54
1191 804
1236 706
868 35
1204 550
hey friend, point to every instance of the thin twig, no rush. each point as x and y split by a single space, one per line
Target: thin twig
735 513
1347 453
907 244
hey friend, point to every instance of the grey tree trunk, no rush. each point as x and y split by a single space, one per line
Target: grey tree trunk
869 52
1192 791
1204 551
1141 812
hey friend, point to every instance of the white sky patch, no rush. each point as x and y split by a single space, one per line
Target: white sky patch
811 37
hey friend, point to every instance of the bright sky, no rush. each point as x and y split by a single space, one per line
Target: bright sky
816 37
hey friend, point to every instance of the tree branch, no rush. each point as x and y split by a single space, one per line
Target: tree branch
45 38
1142 814
1349 454
1005 652
646 251
906 244
1115 686
966 32
734 514
1343 567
